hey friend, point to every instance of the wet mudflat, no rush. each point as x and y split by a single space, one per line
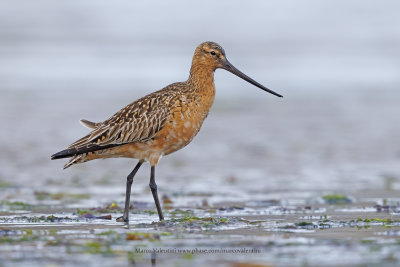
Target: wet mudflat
309 183
267 232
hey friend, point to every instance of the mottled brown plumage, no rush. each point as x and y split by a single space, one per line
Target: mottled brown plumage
159 123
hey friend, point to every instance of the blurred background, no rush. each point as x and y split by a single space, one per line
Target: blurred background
335 62
263 163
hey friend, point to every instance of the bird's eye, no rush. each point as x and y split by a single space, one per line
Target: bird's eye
213 53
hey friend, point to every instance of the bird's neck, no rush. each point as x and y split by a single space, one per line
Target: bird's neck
201 79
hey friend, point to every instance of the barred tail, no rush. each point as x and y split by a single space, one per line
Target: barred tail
71 152
75 160
67 153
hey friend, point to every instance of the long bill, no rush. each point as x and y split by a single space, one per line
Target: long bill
229 67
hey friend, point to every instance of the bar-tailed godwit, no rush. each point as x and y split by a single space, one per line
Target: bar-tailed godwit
157 124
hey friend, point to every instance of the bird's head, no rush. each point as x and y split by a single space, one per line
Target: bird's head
210 55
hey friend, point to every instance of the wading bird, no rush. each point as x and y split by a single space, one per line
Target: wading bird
157 124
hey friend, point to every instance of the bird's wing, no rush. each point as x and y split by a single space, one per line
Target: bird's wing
137 122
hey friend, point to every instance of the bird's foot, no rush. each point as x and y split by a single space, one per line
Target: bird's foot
122 219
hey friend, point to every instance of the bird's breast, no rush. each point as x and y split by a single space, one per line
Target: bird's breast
186 118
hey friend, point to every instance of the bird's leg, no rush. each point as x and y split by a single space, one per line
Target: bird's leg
153 187
129 180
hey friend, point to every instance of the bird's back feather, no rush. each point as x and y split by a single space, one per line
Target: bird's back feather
136 122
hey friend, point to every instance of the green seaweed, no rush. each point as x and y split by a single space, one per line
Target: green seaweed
16 205
40 195
52 232
109 232
81 212
150 212
93 247
383 221
336 199
185 213
199 220
302 224
26 236
166 234
187 256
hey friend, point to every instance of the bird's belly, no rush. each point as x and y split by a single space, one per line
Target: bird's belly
176 135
